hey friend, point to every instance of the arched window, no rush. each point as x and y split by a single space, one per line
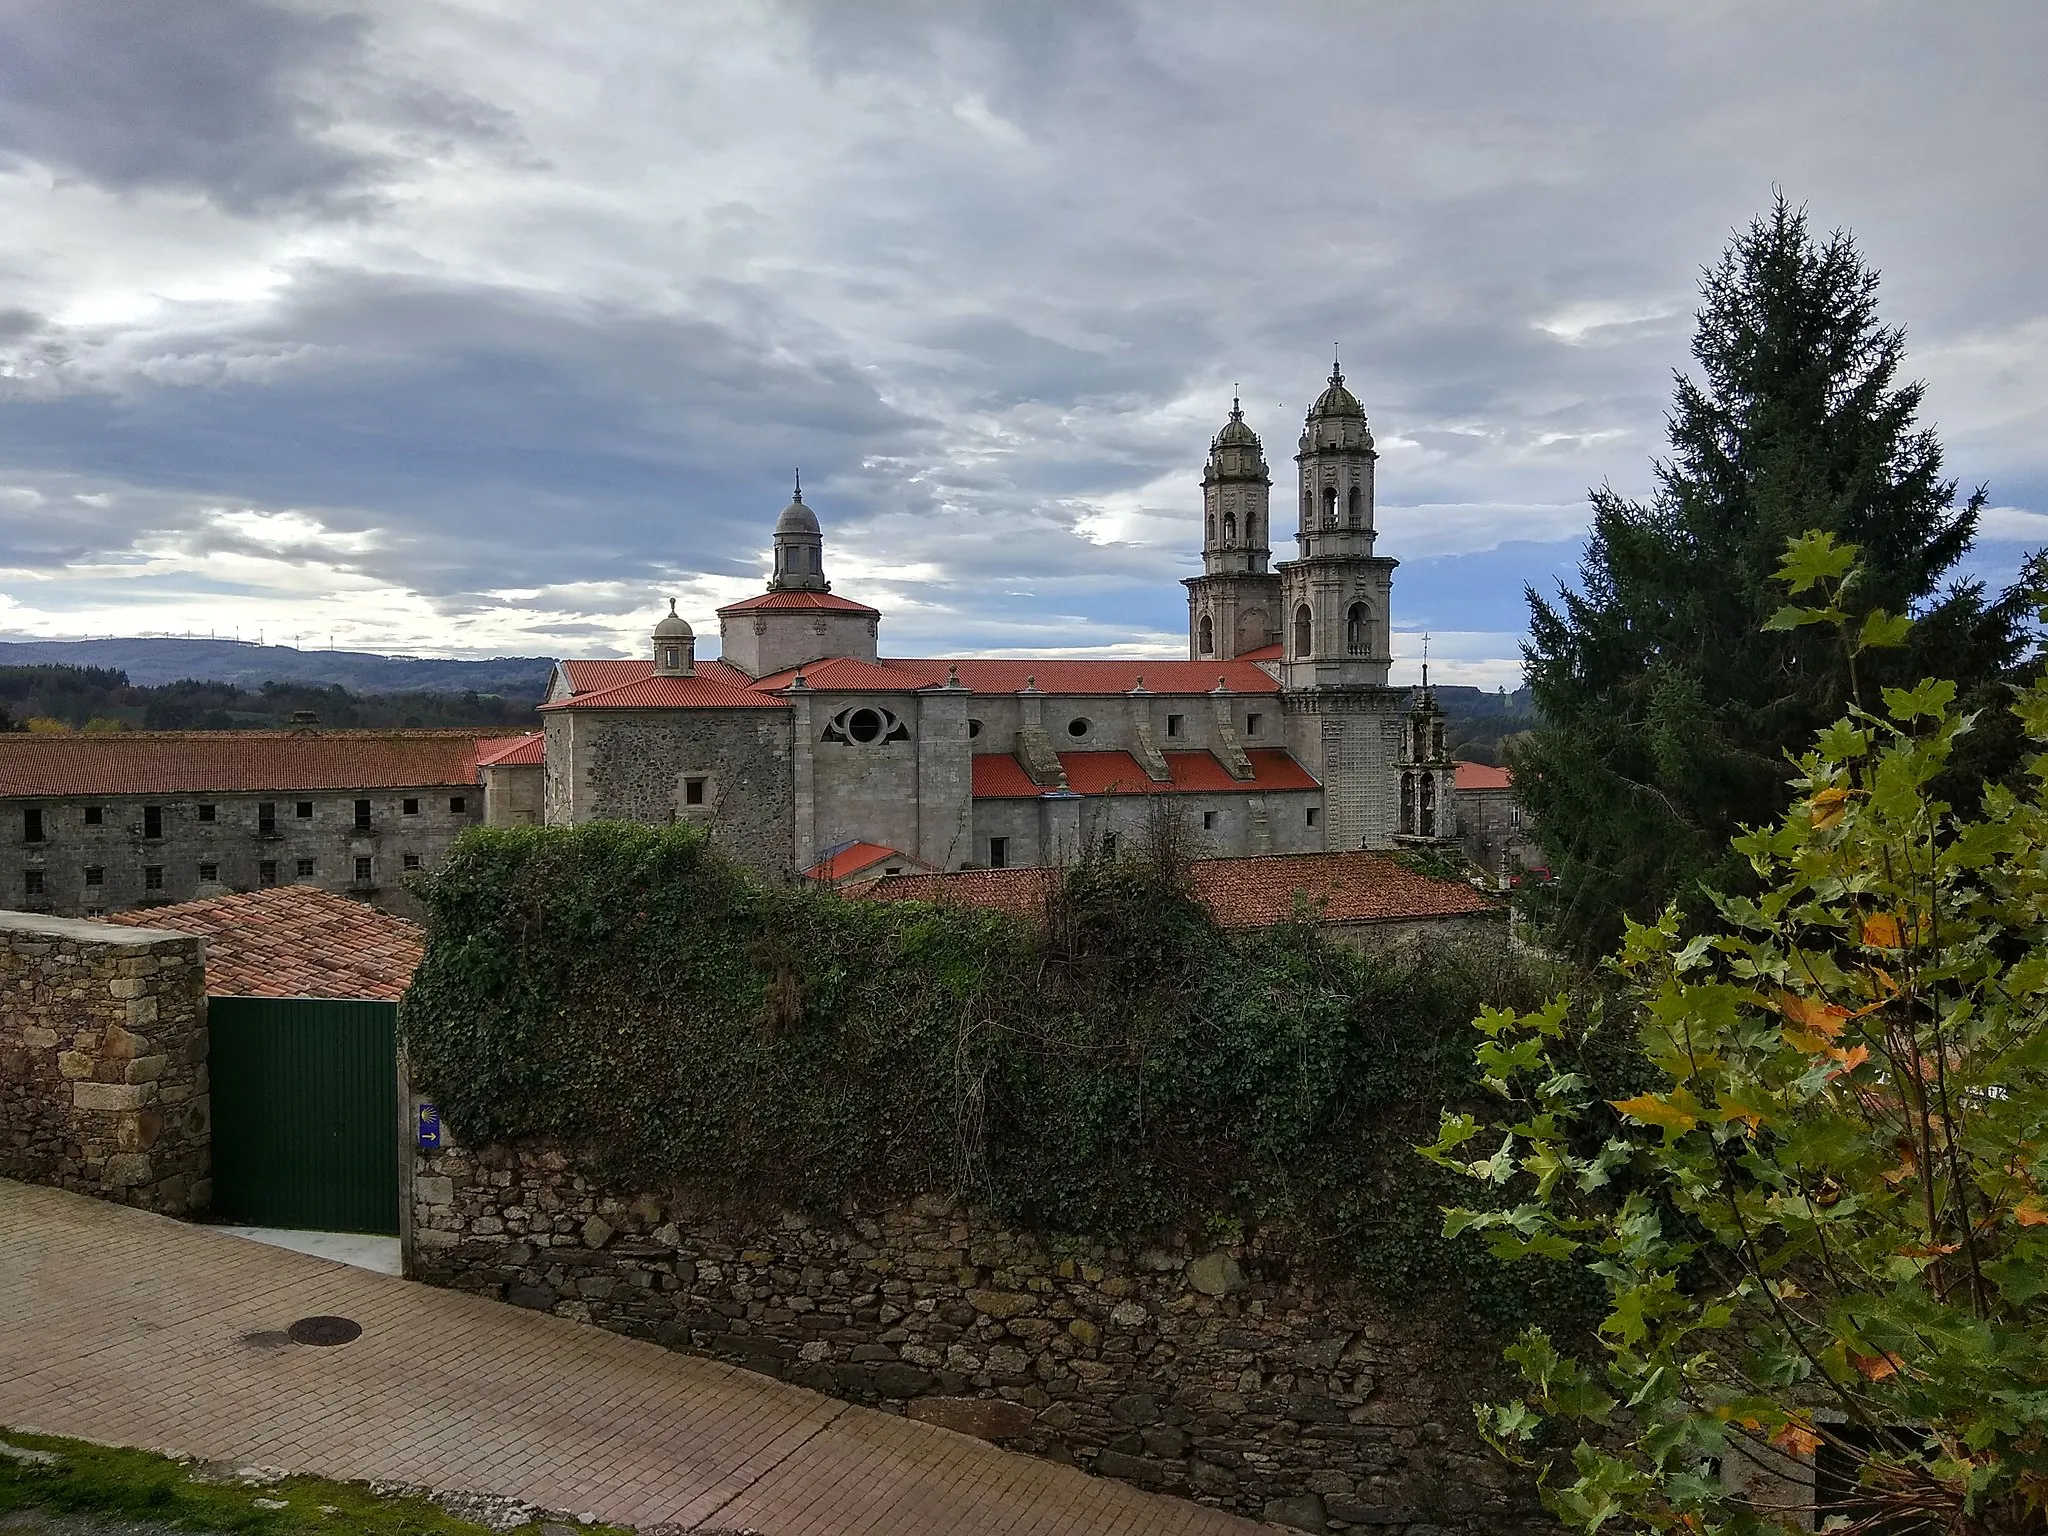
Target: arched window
1357 505
1329 506
1230 528
1207 636
1357 631
1408 803
1304 633
1212 530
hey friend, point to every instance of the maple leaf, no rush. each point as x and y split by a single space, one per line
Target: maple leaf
1850 1059
1874 1367
1813 1015
1828 808
1882 932
2030 1212
1675 1114
1796 1439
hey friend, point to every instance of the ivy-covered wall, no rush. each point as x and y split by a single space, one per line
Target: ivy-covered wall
614 1015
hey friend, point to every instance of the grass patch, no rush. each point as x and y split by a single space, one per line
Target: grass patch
116 1484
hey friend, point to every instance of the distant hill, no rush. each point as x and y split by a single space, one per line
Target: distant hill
149 663
1478 723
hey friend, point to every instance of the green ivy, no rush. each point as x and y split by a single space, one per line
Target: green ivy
1124 1070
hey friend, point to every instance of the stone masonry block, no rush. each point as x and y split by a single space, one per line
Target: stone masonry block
112 1096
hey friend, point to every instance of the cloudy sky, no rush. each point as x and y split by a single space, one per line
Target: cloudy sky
473 326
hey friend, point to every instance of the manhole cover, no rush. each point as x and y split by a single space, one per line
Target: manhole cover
325 1330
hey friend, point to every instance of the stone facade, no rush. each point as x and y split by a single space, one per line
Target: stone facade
1209 1372
144 850
103 1085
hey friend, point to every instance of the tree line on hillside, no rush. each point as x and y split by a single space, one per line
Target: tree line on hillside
59 698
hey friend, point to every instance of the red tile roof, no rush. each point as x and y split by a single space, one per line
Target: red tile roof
848 674
1263 653
194 762
708 689
592 676
513 751
1054 676
1356 887
809 602
852 858
294 941
1473 776
999 776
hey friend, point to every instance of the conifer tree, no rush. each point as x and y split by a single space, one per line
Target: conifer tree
1668 702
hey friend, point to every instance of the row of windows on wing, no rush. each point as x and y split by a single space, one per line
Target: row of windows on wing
33 818
35 882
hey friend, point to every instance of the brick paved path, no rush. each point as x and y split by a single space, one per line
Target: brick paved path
133 1329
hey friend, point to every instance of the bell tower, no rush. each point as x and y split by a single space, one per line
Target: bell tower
1233 606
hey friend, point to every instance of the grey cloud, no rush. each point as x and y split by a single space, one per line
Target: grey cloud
219 97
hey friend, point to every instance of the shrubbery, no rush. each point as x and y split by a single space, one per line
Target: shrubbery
1123 1070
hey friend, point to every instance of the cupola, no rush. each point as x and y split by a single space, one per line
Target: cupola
675 646
799 549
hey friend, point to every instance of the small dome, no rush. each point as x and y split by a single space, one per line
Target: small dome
1336 400
675 626
1235 433
796 517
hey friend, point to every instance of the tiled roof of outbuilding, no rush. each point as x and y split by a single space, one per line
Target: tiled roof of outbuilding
195 762
294 941
529 751
1476 776
706 690
1353 887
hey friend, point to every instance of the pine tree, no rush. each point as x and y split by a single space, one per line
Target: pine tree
1668 705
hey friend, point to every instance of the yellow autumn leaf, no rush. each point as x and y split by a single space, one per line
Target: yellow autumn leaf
1674 1114
2030 1212
1732 1109
1828 808
1813 1015
1882 932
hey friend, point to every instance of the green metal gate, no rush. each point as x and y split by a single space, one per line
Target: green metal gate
305 1113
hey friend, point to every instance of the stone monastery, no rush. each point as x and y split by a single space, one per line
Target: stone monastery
1278 734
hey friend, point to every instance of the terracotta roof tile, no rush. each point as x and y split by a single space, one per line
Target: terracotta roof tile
802 601
999 776
294 941
1476 776
513 751
604 672
1355 887
852 858
1106 677
845 674
1262 653
193 762
706 690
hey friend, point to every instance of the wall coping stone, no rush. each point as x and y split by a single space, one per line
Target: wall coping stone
85 931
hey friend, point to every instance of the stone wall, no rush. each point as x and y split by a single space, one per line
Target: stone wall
103 1085
1211 1373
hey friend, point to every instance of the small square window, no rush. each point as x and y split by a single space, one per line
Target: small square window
457 805
32 882
304 867
1314 815
304 810
208 873
94 875
1252 722
94 816
152 821
412 861
1175 724
693 791
362 814
999 853
412 807
95 911
206 813
153 877
32 825
1208 821
266 872
362 869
